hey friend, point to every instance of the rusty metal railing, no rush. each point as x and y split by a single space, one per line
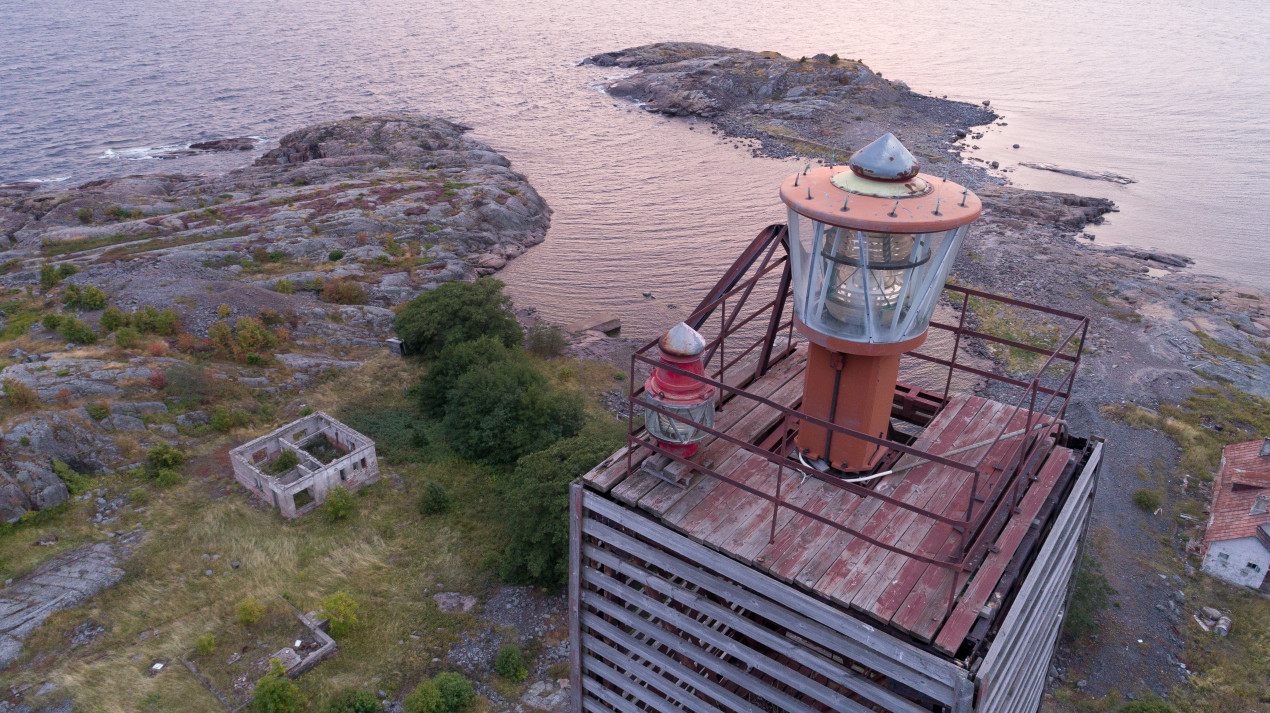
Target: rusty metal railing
983 516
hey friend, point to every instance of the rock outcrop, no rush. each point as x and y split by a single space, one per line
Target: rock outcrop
62 582
814 105
393 205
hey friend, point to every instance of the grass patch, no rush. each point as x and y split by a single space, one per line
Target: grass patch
1217 349
1212 417
66 247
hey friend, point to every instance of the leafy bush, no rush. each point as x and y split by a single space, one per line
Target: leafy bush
340 503
98 410
498 413
335 255
252 336
1090 595
434 500
149 320
249 611
341 609
127 338
510 663
275 693
165 456
344 292
20 396
84 214
225 420
50 275
205 644
453 362
536 497
546 340
457 312
73 330
51 321
445 693
86 298
165 477
456 691
113 318
224 311
284 462
425 698
1147 499
285 287
353 700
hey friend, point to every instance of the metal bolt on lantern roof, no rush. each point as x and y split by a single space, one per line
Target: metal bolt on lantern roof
870 249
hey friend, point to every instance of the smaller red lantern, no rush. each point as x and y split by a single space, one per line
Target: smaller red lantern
687 398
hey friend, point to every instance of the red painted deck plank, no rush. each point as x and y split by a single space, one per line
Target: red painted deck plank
917 486
924 618
918 537
805 548
989 573
907 529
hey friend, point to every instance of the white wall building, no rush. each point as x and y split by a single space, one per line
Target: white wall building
329 454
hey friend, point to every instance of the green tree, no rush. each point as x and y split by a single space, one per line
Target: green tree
453 362
275 693
457 312
536 497
165 456
503 411
73 330
434 500
113 318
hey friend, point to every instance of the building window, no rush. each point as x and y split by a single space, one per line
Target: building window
343 477
1253 566
1224 556
1259 507
363 462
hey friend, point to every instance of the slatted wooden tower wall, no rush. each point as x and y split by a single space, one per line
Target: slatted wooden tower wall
665 620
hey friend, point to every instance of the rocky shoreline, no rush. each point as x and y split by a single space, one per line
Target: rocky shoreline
1158 331
382 207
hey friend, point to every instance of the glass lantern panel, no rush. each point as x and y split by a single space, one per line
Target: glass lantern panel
670 430
871 287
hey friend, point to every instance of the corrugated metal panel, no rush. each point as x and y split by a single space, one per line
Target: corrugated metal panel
662 623
1012 676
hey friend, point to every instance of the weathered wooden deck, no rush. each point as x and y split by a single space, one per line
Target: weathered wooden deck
874 583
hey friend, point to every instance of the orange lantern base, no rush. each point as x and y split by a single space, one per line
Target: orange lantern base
851 385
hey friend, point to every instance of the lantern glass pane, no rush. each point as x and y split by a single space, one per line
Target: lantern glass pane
869 287
670 430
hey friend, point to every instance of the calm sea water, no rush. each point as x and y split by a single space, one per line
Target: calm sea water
1169 92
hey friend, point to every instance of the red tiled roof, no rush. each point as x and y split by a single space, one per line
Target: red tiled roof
1244 475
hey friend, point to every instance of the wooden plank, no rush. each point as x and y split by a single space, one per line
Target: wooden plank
632 677
684 647
808 565
777 643
1048 580
877 650
989 573
913 594
841 575
733 506
937 489
917 586
640 649
793 621
575 595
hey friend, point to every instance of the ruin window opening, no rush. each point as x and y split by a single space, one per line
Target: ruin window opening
1260 506
303 497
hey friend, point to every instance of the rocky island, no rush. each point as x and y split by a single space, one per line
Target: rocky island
1180 363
